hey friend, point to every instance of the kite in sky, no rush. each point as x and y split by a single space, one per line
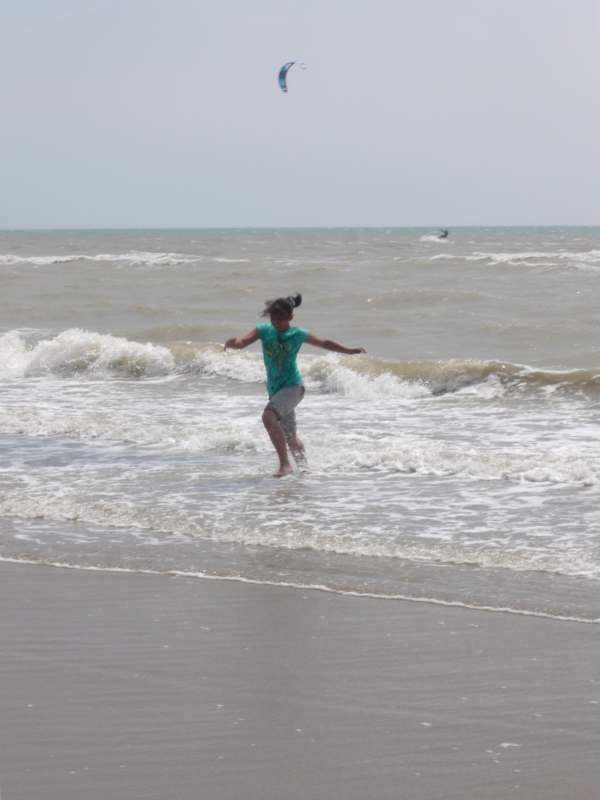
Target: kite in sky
284 71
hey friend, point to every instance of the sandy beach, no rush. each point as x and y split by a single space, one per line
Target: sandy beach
137 686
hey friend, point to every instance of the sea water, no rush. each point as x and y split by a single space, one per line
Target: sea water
458 461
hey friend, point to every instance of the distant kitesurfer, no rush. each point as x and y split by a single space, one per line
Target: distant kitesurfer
443 234
280 345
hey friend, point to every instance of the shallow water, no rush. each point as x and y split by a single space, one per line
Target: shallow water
456 462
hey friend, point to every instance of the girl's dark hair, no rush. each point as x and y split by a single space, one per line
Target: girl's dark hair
282 307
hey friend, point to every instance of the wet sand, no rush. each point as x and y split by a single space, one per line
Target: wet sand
123 686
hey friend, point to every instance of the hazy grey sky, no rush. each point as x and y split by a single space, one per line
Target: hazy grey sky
122 113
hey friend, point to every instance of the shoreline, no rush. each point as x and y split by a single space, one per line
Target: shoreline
130 685
309 587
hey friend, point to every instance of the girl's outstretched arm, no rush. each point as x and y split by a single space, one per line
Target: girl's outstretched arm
238 343
328 344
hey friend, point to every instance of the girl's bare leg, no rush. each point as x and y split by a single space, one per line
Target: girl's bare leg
277 437
297 447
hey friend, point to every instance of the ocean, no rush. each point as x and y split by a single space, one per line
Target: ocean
457 462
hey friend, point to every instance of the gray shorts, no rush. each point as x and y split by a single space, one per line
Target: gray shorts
283 404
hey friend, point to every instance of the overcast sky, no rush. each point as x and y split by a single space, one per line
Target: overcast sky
138 113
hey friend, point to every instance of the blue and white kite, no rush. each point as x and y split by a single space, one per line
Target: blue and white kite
284 71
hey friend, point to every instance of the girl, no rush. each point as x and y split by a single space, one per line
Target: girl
280 344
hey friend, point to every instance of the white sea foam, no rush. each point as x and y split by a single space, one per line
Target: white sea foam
76 351
223 260
80 352
362 378
136 257
331 374
377 425
247 367
567 464
160 518
430 237
589 259
13 355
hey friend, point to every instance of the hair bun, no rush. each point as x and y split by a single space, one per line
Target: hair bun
294 300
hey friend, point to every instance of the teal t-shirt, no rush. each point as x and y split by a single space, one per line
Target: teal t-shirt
279 354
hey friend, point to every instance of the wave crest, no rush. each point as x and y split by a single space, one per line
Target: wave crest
585 259
76 351
136 257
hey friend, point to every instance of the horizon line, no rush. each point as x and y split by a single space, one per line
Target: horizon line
15 229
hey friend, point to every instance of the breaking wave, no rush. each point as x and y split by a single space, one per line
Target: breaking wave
585 259
133 257
77 352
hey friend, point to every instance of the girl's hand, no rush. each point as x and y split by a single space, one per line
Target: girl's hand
239 342
329 344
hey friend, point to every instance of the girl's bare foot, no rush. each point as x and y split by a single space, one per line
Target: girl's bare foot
283 471
301 460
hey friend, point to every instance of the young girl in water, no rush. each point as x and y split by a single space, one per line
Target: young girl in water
281 342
